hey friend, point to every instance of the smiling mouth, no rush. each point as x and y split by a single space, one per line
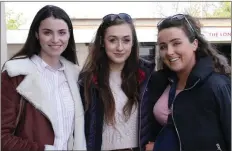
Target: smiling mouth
55 46
174 59
118 54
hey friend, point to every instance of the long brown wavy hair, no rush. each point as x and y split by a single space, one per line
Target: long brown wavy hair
96 66
205 48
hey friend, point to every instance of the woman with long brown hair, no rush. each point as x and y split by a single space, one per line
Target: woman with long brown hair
112 86
41 107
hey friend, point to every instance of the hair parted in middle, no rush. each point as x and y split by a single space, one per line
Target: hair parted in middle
96 68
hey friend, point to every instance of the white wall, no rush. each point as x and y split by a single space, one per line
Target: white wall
82 52
3 35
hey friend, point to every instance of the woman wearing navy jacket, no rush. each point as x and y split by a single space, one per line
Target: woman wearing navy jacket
191 92
112 85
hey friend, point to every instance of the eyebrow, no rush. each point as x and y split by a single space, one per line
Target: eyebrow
52 30
171 40
113 36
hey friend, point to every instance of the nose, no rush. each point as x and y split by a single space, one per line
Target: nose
55 38
120 46
170 50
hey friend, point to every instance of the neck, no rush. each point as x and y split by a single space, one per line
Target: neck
116 67
54 62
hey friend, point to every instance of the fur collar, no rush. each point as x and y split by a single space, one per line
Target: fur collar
32 89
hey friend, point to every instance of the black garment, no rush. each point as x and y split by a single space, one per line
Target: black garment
94 115
202 111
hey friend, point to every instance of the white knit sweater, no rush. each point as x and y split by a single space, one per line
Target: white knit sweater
124 134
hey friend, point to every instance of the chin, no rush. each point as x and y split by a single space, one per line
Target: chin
175 69
118 61
55 55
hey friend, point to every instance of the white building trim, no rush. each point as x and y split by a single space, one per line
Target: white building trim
213 34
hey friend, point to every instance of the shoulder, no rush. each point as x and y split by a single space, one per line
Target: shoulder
19 66
146 64
219 85
219 80
160 75
8 81
71 67
158 80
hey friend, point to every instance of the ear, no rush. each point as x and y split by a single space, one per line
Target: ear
195 44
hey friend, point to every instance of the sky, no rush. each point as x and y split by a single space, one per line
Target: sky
98 9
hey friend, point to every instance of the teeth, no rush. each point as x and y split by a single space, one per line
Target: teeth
174 59
55 47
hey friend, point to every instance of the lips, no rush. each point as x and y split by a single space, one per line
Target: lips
118 54
174 59
55 46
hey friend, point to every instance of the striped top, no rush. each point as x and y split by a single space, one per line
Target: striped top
58 88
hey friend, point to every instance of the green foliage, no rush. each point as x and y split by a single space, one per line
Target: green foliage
223 11
13 21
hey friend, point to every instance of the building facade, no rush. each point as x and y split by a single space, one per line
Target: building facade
216 30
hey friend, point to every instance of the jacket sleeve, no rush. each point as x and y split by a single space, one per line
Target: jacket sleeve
9 112
156 87
223 96
86 115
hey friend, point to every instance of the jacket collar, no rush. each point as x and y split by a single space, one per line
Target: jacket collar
32 88
202 69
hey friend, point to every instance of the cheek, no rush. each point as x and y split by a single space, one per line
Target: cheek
188 54
44 39
65 39
162 54
128 47
109 48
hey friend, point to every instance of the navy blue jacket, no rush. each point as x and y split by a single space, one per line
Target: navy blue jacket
201 112
94 115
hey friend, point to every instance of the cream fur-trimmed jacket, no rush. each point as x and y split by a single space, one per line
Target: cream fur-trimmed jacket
32 90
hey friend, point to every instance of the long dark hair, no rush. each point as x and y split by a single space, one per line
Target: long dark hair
192 28
32 45
97 65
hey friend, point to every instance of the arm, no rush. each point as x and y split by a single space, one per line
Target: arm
9 111
86 115
223 96
156 86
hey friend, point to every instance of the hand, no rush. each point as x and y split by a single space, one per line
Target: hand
150 146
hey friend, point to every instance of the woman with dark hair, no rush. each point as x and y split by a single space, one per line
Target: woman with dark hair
41 107
191 91
112 84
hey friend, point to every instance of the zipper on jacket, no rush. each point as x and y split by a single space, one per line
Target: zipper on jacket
218 147
173 115
140 108
176 128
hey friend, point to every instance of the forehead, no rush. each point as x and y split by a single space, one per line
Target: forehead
119 30
53 24
168 34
